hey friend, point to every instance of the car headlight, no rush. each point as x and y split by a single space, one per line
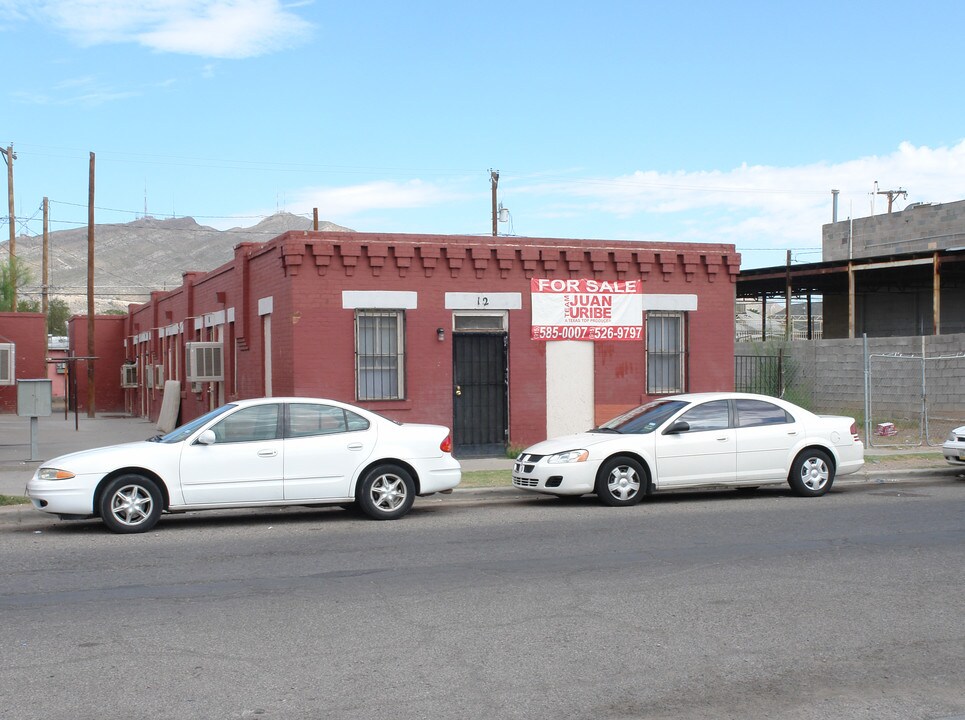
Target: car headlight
54 474
952 437
570 456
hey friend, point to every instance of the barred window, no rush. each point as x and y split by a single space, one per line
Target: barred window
379 354
665 352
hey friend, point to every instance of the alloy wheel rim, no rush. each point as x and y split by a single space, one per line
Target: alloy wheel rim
131 505
388 492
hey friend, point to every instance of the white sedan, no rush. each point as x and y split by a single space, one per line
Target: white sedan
253 453
695 440
954 447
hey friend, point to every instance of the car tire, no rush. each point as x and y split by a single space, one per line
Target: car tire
386 492
130 504
812 473
621 482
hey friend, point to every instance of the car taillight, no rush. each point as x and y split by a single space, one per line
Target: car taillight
854 432
446 445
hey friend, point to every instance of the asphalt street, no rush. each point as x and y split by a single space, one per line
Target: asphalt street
703 605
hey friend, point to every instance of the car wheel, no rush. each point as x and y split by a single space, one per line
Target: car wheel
812 473
386 493
620 482
130 504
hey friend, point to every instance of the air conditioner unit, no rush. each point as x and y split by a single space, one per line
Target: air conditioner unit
7 356
205 362
149 377
128 376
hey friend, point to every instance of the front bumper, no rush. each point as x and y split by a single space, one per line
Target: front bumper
537 475
64 497
954 454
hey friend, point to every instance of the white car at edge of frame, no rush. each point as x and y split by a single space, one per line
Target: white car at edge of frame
253 453
954 447
693 441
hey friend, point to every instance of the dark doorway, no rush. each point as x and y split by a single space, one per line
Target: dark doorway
480 392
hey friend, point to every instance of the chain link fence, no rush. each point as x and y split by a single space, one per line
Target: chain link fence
914 399
904 392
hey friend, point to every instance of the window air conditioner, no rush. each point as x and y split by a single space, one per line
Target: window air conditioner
205 362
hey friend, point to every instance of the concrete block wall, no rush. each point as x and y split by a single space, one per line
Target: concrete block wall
915 229
828 376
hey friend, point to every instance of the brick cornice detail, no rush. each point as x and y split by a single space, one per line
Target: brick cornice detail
691 263
322 253
430 257
733 261
712 263
480 260
292 255
350 254
403 258
455 257
645 260
377 255
574 261
668 262
550 258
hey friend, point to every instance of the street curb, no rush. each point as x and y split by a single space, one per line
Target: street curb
881 477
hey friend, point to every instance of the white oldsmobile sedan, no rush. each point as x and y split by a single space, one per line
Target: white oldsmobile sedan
253 453
695 440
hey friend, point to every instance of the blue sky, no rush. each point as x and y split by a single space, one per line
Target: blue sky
670 121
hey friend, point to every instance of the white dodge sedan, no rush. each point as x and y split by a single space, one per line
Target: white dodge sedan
695 440
954 447
253 453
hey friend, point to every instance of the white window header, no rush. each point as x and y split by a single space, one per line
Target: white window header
682 303
484 301
379 299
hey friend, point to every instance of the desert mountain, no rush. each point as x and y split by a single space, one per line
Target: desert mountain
132 259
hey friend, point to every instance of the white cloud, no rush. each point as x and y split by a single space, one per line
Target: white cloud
380 195
210 28
759 205
85 90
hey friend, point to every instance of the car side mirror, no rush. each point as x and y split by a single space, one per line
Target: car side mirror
207 438
681 426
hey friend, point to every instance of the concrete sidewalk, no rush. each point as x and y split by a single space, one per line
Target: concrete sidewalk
57 435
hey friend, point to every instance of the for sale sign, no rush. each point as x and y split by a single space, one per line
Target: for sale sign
587 309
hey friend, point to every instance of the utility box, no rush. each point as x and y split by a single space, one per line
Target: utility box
34 398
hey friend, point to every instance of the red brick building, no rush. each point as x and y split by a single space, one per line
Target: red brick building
23 353
439 329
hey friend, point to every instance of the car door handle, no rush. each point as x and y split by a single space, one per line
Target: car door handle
355 446
267 453
723 439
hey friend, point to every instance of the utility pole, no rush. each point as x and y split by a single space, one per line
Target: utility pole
494 181
44 288
9 156
892 194
90 291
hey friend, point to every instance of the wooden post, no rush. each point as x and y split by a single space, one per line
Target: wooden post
45 306
12 247
90 291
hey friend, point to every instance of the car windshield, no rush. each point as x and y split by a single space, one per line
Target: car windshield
182 432
644 419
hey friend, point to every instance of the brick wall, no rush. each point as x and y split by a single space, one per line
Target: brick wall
313 338
28 333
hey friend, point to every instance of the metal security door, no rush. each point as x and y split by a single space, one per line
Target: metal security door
480 391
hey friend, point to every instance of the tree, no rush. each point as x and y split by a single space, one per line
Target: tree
58 313
13 275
